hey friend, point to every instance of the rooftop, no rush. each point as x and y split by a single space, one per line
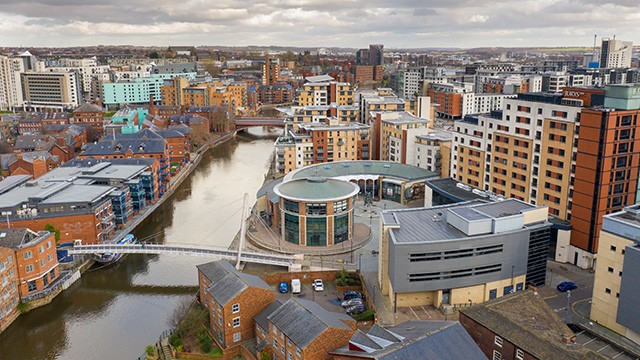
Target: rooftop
524 319
339 169
437 135
78 194
401 117
227 282
316 189
458 193
434 223
18 238
434 340
303 321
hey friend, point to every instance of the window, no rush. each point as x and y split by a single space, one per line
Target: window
28 268
298 350
498 341
275 344
236 337
607 290
613 248
610 269
219 320
235 308
497 355
236 322
28 255
519 354
31 285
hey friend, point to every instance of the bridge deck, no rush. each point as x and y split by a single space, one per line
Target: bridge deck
185 249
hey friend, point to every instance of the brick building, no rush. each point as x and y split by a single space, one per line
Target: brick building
91 115
8 288
521 326
233 299
303 330
35 163
35 254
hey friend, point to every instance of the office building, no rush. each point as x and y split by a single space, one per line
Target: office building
615 53
461 254
51 90
10 82
615 290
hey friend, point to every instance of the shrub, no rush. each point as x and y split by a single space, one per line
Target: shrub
53 230
175 340
150 350
343 278
205 342
367 315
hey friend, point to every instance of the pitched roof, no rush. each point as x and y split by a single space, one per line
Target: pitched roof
227 282
303 321
88 107
524 319
437 340
121 146
17 238
262 319
34 142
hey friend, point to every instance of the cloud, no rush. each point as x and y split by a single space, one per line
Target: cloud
326 23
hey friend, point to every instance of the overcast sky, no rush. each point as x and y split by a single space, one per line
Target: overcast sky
322 23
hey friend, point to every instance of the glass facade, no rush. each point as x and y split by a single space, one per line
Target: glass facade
317 209
316 231
292 228
291 206
340 228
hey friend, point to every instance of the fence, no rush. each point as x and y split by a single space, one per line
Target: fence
62 282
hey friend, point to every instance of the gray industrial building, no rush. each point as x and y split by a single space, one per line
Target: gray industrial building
462 253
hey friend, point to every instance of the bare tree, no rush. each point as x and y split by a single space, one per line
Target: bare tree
180 311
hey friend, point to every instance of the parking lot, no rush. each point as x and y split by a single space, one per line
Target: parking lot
601 347
324 298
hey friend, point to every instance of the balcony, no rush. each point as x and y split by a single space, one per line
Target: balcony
107 219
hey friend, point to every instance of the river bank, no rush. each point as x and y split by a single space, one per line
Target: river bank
114 312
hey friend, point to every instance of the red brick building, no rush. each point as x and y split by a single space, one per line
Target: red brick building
90 115
35 254
521 326
233 299
9 295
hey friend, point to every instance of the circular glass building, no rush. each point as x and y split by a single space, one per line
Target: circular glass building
316 211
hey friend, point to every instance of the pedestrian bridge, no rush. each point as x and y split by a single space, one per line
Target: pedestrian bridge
242 123
186 249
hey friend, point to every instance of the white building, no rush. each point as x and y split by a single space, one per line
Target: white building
615 53
51 90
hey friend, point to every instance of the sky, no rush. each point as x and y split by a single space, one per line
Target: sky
317 23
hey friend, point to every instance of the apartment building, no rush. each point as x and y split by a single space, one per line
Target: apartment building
380 100
51 90
323 331
232 96
615 53
270 70
454 99
133 91
394 135
461 254
233 299
10 298
607 166
88 69
502 152
173 91
555 82
432 151
36 260
509 84
615 290
310 143
10 82
324 93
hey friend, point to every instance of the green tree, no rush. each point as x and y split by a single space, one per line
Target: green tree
53 230
150 350
154 55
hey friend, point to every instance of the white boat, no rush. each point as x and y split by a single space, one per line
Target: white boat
109 257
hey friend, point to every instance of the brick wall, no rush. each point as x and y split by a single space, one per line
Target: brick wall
486 339
329 340
43 259
83 227
306 277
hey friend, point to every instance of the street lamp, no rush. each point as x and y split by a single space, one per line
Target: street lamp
360 263
568 306
7 214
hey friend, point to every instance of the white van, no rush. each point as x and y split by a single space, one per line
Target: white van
296 286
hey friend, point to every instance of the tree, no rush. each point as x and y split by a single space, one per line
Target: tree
150 350
179 312
154 55
212 69
53 230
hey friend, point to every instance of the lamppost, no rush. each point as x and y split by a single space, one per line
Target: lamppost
568 306
7 214
360 263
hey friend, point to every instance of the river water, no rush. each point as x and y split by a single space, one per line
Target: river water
113 313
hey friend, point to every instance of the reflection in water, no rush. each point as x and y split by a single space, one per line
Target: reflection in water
114 312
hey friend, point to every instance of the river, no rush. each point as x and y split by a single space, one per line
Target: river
113 313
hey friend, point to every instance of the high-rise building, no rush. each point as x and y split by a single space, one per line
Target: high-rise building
10 88
362 57
376 54
615 53
270 70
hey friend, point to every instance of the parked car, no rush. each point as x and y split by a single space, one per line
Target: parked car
296 286
348 295
284 287
351 302
566 286
318 285
356 309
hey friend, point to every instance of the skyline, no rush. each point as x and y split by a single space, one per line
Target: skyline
314 23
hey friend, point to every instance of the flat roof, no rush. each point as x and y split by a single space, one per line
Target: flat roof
79 193
316 189
387 169
11 182
430 224
448 187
